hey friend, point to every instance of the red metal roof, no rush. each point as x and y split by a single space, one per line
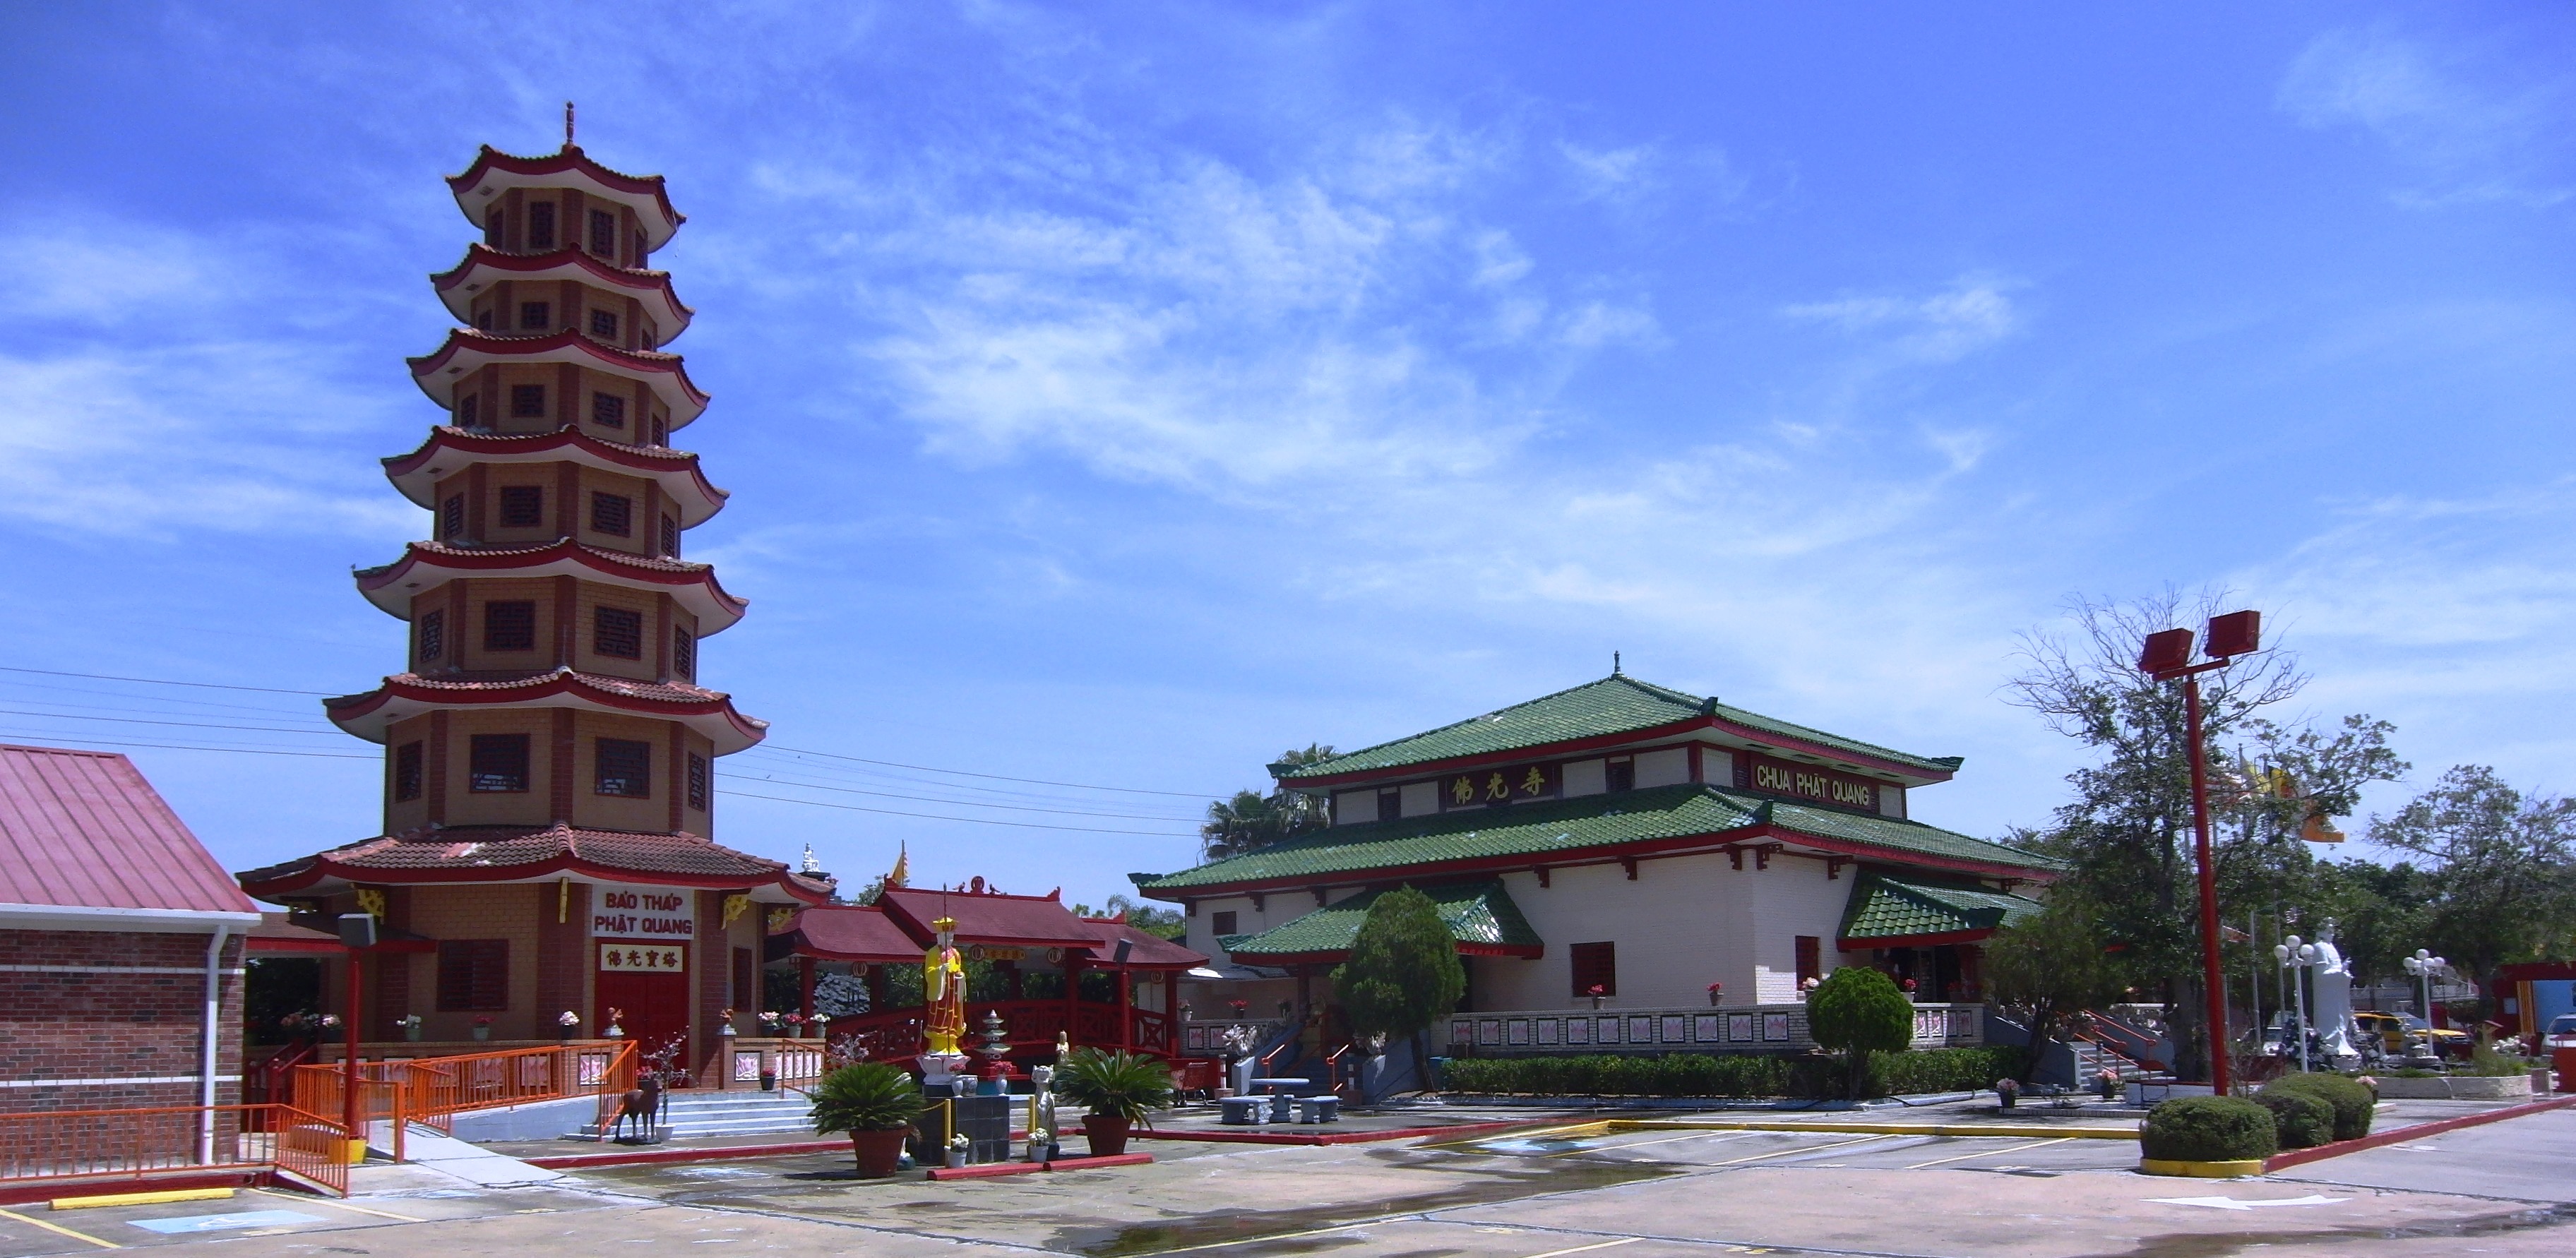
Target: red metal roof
83 829
508 853
1149 951
990 917
850 932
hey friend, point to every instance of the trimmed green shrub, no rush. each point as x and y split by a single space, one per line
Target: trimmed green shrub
1859 1013
2300 1119
2208 1129
2352 1102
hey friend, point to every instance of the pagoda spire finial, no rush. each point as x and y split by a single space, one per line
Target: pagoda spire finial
1614 663
567 124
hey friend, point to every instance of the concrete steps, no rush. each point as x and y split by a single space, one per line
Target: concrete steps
692 1112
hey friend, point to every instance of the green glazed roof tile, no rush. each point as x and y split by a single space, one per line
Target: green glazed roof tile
1476 913
1617 704
1572 825
1887 907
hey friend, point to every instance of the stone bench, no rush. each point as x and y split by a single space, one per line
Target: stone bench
1325 1108
1241 1111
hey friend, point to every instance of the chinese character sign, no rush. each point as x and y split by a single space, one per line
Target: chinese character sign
618 958
1486 788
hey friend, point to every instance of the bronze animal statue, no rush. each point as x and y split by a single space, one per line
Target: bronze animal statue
643 1104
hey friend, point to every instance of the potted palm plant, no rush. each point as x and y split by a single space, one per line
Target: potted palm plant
875 1103
1119 1089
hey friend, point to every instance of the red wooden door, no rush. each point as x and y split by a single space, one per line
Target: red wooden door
649 984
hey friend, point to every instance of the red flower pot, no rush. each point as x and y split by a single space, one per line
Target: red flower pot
1108 1134
879 1152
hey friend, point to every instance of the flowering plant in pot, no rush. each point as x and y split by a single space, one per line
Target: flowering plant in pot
769 1021
483 1028
567 1021
724 1023
409 1025
1716 993
873 1101
1596 992
1119 1089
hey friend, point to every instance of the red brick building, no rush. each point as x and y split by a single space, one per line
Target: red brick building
120 942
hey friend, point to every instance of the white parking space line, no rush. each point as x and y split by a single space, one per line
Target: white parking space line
1982 1153
1585 1249
1812 1148
1696 1135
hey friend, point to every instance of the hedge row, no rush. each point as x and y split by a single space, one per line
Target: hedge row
1699 1074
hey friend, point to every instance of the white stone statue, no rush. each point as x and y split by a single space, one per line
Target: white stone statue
2331 992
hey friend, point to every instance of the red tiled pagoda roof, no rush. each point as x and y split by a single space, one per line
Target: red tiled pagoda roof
890 931
411 472
710 712
851 932
519 853
664 371
83 830
989 917
480 258
570 160
692 584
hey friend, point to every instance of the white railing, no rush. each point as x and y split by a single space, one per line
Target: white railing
1726 1029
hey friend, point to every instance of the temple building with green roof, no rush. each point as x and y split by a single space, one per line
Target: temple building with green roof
1618 840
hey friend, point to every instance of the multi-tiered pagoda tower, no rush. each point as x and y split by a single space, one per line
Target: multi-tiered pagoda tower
549 741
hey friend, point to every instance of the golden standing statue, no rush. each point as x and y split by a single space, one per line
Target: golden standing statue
943 990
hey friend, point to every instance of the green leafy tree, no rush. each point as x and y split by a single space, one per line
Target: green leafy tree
1250 820
2502 864
2128 831
1858 1011
1153 919
1403 974
2050 967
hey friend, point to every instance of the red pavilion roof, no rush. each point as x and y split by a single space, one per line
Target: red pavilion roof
524 854
428 565
449 448
709 712
494 172
466 351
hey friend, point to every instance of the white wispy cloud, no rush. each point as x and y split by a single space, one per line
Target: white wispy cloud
2467 132
1970 315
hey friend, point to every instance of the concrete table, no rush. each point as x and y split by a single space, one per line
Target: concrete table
1280 1099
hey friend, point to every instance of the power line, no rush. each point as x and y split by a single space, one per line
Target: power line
136 720
239 751
1131 790
980 821
962 803
874 776
160 681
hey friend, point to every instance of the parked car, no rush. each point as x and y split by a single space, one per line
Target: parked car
2395 1030
2561 1032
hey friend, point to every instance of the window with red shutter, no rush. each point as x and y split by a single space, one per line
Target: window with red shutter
1596 968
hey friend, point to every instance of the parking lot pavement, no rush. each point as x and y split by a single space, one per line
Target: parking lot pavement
2532 1158
397 1197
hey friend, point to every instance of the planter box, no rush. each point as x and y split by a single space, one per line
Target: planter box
2457 1088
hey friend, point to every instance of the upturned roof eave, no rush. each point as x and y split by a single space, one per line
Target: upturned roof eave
698 590
675 470
363 716
633 191
654 286
663 373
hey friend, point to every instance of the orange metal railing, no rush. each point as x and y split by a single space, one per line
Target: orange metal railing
433 1090
114 1147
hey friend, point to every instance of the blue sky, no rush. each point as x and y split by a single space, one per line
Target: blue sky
1119 394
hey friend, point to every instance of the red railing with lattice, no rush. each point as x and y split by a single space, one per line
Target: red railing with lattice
112 1148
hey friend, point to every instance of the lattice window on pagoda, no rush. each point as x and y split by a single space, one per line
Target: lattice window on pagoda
684 655
407 772
510 625
541 225
497 764
1596 968
451 518
697 781
483 320
608 410
473 975
613 514
523 506
527 401
618 632
493 224
624 767
603 324
603 233
536 316
661 434
469 412
433 636
670 537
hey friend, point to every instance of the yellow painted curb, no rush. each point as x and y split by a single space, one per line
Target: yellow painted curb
2202 1170
1887 1129
142 1198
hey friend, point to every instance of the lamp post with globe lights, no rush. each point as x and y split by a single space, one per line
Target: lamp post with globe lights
2424 965
2294 957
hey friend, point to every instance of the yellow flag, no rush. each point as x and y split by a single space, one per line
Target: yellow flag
902 866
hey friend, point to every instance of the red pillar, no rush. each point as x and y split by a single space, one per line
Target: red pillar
1126 1014
1072 998
805 988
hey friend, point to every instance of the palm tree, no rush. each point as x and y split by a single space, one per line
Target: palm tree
1251 821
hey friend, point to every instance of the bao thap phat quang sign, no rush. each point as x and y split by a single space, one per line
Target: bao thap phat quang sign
622 910
1806 781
